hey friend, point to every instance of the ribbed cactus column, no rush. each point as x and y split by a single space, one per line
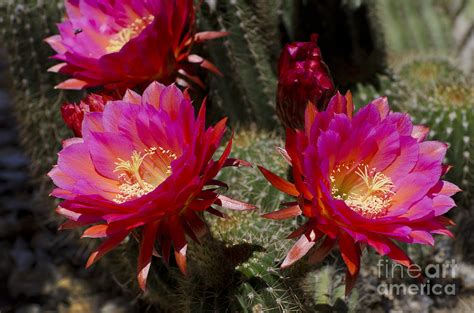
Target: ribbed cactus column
326 287
24 24
264 287
247 58
415 26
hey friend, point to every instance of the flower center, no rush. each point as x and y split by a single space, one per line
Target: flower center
137 178
364 190
128 33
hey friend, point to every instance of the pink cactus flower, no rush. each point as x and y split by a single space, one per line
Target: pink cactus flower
144 167
119 44
367 179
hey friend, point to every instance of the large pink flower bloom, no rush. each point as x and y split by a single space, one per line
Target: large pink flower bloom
363 179
126 43
144 165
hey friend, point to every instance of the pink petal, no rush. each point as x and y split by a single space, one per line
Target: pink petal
442 204
233 204
382 106
420 132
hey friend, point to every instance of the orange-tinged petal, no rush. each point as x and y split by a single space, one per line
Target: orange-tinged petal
96 231
285 213
105 247
350 104
209 35
180 256
205 64
279 183
72 84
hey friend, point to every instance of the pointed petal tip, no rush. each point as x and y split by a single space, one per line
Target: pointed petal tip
180 257
284 213
142 277
92 259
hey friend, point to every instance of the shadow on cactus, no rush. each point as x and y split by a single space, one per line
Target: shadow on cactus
264 286
247 57
24 25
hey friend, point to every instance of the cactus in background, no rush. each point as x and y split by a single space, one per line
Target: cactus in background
426 73
436 27
264 286
461 17
354 47
387 86
121 263
326 287
24 24
415 26
247 58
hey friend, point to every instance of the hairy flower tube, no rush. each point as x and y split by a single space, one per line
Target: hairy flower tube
367 179
303 77
144 168
120 44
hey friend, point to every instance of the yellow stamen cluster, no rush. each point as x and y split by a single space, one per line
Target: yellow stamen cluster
370 192
128 33
133 185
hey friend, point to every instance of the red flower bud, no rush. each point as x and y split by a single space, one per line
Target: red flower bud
303 78
73 114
